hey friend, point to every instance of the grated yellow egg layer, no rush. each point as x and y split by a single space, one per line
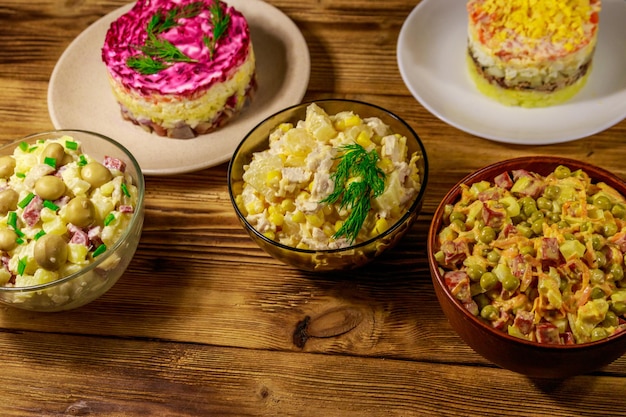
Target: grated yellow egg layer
559 21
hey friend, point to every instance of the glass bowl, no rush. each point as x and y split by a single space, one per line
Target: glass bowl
330 259
523 356
102 273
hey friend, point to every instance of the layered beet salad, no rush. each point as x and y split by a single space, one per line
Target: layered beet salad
180 68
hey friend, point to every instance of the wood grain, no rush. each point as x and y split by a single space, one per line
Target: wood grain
205 323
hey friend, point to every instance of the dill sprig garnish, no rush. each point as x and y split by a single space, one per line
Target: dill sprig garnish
357 181
158 54
219 21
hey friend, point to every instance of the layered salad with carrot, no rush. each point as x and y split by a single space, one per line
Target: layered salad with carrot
531 53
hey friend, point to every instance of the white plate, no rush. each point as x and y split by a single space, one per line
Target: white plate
79 95
431 59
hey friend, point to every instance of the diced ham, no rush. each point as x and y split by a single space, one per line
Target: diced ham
114 163
502 321
550 249
503 181
518 266
32 212
80 237
454 252
524 321
126 209
493 216
547 333
459 285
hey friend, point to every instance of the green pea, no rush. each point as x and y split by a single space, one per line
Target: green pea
536 216
600 259
554 217
481 301
552 192
609 229
527 250
569 236
619 308
487 234
619 211
529 208
488 281
617 271
475 272
457 215
596 276
563 224
586 227
562 172
493 257
537 227
602 202
597 241
525 230
490 312
610 319
458 225
544 204
510 282
597 292
599 333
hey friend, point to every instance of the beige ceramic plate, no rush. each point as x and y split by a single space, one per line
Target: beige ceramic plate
79 95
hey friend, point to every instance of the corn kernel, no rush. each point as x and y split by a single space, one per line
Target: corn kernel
338 225
315 220
328 229
270 235
386 164
255 207
273 178
380 226
287 205
298 217
363 139
275 217
285 127
302 245
350 121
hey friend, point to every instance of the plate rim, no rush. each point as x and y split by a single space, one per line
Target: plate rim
296 73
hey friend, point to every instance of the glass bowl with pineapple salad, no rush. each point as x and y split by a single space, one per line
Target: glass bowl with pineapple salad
329 184
71 212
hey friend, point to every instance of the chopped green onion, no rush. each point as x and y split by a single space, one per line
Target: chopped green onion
82 161
100 250
21 265
71 145
20 175
12 220
50 161
125 190
39 234
19 241
24 146
109 219
49 204
26 200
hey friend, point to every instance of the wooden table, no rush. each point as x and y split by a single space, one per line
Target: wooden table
202 323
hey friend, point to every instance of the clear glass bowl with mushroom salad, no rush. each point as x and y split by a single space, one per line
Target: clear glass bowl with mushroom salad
63 210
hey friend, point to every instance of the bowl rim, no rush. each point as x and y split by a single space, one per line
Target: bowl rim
137 214
452 195
418 200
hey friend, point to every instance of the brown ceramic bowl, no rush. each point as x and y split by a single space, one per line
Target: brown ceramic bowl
529 358
332 259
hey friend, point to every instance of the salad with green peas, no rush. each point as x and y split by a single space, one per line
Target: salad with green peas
539 257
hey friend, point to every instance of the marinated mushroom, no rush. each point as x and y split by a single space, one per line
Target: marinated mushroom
49 187
7 166
80 211
54 151
8 200
96 174
50 252
8 239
